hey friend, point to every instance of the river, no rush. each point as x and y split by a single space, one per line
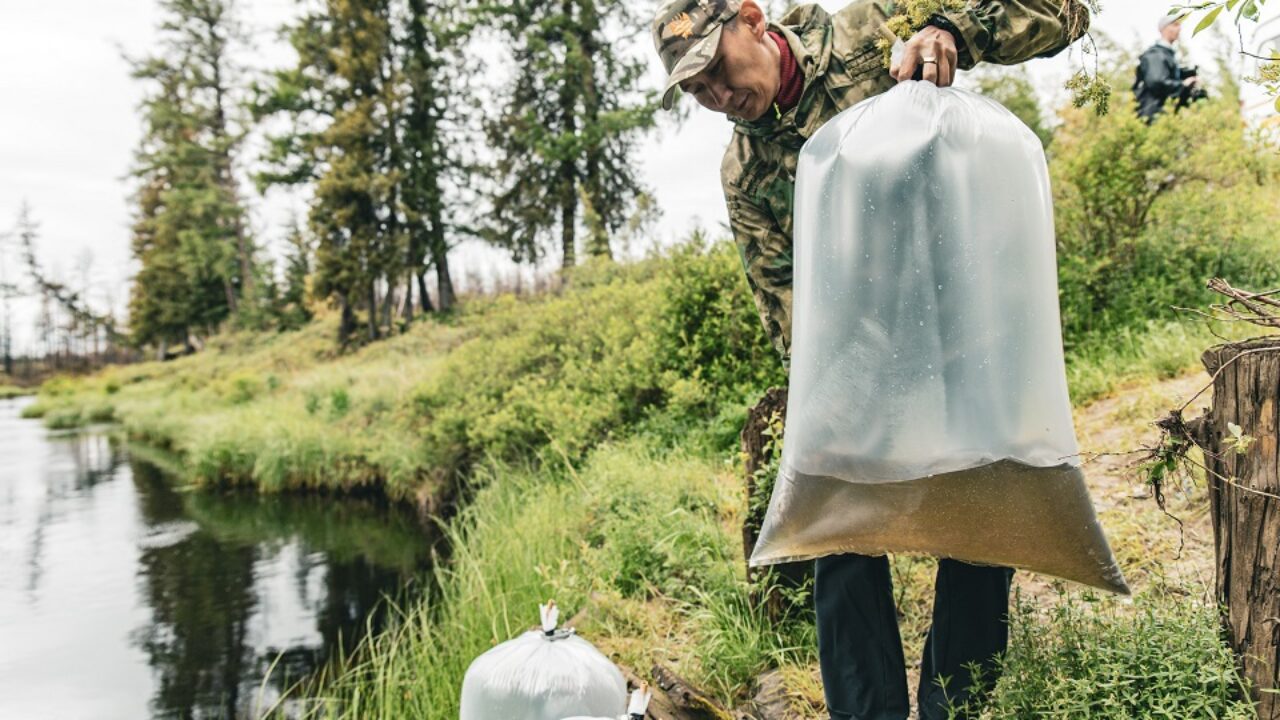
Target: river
123 595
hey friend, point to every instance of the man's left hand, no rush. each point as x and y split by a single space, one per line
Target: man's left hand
935 49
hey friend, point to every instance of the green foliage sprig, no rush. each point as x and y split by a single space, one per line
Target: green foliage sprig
1237 12
1268 77
912 15
1090 89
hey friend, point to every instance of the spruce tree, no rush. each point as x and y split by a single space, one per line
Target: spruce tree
439 107
342 99
190 234
292 308
378 103
568 126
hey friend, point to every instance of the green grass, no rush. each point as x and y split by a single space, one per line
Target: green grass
1086 657
8 392
640 538
593 435
1098 366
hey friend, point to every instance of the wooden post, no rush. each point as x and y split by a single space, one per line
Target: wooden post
765 582
1243 490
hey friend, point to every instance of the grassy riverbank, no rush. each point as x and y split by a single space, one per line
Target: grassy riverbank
669 345
503 379
593 435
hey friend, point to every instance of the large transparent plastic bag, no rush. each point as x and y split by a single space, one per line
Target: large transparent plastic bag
545 674
928 408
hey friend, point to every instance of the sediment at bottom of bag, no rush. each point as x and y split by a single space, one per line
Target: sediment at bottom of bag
1032 518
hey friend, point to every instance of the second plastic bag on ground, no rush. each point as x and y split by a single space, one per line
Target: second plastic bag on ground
544 674
928 408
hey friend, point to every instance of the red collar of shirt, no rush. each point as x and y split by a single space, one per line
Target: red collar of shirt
792 78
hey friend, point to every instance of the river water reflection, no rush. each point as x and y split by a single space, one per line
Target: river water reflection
122 596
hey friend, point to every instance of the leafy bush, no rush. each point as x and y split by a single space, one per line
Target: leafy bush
677 332
12 391
569 369
1147 214
1089 659
709 327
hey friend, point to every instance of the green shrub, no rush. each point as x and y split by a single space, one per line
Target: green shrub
100 413
1145 215
1161 658
573 369
339 402
242 388
63 418
709 327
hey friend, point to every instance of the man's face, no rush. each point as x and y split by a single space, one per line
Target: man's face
743 78
1172 31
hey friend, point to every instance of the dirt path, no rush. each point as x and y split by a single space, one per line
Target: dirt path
1151 547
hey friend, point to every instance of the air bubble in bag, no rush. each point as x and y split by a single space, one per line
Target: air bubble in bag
928 408
545 674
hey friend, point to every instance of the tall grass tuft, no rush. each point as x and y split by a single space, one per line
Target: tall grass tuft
573 534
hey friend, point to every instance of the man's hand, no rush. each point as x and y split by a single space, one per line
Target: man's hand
930 43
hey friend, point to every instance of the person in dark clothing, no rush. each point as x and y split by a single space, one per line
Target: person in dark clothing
1159 77
860 650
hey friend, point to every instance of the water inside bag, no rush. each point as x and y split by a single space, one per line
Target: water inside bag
928 408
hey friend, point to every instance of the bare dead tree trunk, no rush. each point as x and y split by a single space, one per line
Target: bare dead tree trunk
424 298
445 297
1244 496
406 312
347 323
373 311
388 302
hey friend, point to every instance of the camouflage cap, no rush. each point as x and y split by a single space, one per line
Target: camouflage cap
687 35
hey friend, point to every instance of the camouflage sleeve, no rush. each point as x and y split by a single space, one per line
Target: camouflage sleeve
1007 32
766 257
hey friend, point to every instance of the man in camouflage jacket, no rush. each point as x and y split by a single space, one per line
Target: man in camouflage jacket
778 83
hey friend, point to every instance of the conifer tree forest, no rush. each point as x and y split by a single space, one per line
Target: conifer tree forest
404 138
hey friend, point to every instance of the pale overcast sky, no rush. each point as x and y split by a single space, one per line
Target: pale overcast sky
69 126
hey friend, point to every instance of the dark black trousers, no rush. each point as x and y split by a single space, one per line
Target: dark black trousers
864 675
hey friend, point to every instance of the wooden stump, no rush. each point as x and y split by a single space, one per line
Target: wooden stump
1244 506
765 581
